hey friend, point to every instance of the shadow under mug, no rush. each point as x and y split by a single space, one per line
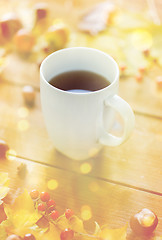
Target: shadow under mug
76 121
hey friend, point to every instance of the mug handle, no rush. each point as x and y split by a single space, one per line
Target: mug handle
123 108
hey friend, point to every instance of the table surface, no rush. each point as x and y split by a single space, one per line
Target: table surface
119 181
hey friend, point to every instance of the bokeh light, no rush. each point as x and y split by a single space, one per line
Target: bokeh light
52 184
141 39
85 168
23 112
11 154
86 212
23 125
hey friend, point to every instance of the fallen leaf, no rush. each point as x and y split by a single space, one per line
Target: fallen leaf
3 234
62 222
76 224
46 234
22 213
4 180
53 233
113 234
96 20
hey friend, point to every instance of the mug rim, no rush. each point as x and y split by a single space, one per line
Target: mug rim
112 84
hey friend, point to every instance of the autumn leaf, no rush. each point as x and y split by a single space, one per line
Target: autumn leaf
4 183
126 39
4 180
113 234
62 222
49 233
22 213
3 234
53 233
96 20
76 224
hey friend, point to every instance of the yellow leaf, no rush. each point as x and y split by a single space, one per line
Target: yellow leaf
76 224
7 225
113 234
53 233
3 234
3 192
4 180
22 213
62 222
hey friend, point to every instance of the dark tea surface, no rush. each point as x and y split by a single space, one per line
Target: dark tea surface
79 81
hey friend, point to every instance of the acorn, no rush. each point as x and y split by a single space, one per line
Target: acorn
13 237
144 222
29 236
29 95
9 25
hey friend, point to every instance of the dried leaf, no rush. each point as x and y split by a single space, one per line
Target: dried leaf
96 20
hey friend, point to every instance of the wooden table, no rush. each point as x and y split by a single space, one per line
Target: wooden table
115 184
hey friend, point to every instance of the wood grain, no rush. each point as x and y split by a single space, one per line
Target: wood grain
136 162
26 70
109 203
121 180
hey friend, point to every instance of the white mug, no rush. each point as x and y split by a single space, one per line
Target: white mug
78 123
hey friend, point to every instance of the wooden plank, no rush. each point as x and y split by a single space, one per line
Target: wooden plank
25 71
137 162
143 97
109 203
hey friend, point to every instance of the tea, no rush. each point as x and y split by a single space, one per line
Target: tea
79 81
